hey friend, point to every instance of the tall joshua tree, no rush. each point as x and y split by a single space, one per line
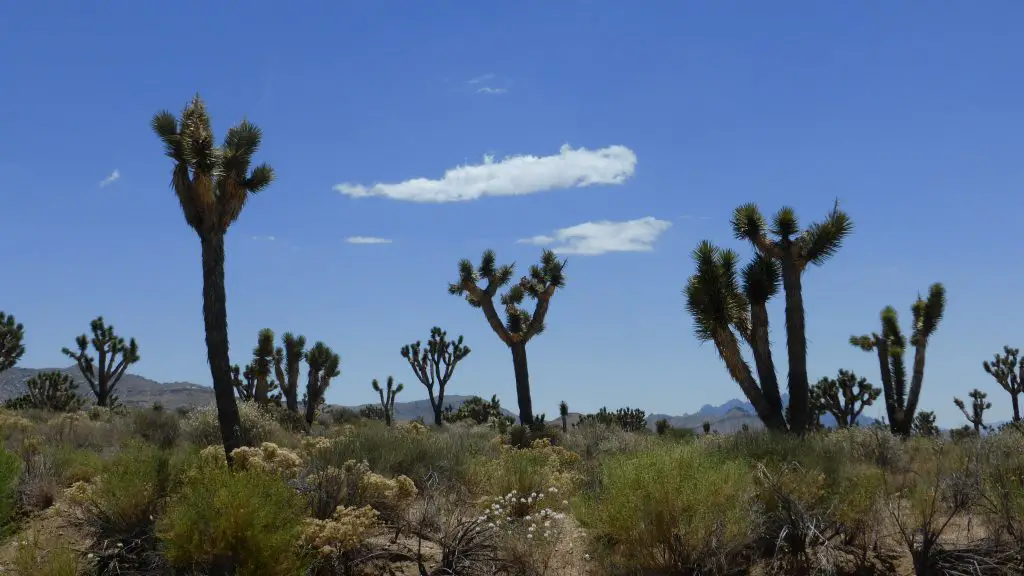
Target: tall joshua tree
12 334
890 346
563 414
113 357
212 184
287 361
434 365
794 249
324 365
724 311
1008 371
845 397
978 406
262 362
387 397
520 326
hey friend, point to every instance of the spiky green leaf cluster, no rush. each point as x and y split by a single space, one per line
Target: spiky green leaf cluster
212 182
52 391
979 405
814 245
12 334
324 365
713 295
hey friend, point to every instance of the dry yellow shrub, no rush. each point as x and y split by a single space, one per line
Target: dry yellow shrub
344 530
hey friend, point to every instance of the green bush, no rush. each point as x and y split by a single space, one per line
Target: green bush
202 428
395 451
157 426
10 473
673 507
245 523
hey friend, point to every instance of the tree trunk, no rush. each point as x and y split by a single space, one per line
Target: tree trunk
215 316
796 347
437 405
522 383
1015 400
916 381
760 344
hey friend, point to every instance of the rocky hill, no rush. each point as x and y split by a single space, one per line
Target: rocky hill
134 390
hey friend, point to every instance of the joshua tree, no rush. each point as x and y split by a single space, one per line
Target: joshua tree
707 427
563 413
475 409
244 382
1008 372
662 426
794 250
387 398
628 419
11 336
520 326
845 397
113 357
55 391
924 423
435 364
212 184
890 346
978 406
262 360
324 365
287 361
724 311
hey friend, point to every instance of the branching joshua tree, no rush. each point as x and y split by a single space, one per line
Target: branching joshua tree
1008 370
890 346
265 391
287 361
212 184
845 397
794 250
54 391
563 414
520 326
387 398
978 406
434 365
12 334
113 357
324 365
725 311
244 382
924 424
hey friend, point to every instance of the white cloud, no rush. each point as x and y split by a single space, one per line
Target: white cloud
593 238
480 79
489 90
367 240
114 176
270 238
513 176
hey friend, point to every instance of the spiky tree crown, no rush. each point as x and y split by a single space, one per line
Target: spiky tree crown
435 363
12 334
814 245
543 279
212 182
714 297
978 407
1007 370
54 391
563 409
112 354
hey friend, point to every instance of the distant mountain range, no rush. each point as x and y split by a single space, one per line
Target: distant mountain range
137 391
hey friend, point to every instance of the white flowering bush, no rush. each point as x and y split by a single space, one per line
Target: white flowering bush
202 428
531 526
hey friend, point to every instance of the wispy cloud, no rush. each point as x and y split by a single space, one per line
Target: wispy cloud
367 240
489 90
594 238
114 177
267 238
513 176
481 79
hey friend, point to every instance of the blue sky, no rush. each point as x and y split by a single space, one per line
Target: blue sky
908 112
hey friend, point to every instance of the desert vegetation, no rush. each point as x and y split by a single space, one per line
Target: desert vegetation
263 482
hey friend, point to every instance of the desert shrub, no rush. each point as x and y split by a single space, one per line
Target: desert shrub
540 468
243 523
117 510
41 556
593 440
157 426
530 526
10 473
40 482
79 430
675 507
443 454
202 428
1002 489
268 458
